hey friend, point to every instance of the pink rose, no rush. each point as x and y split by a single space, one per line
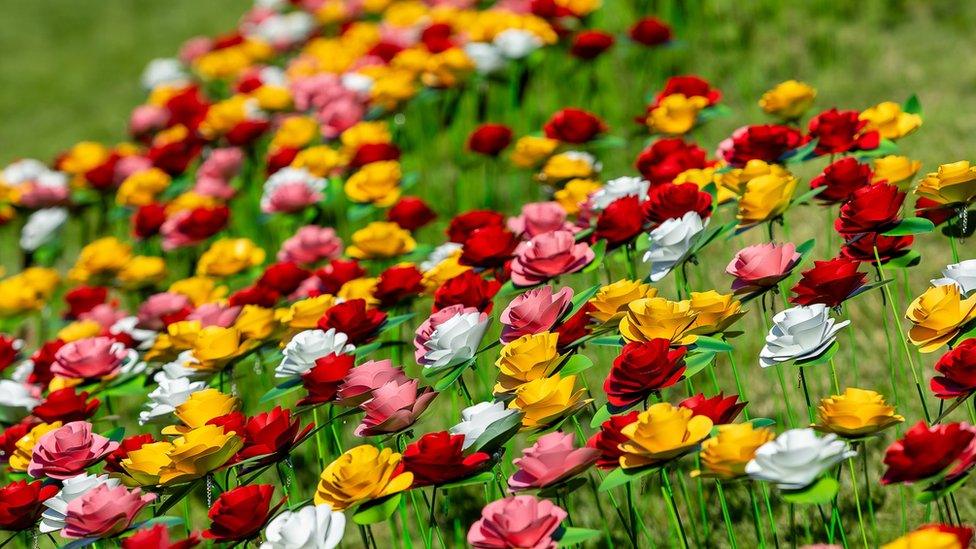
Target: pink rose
549 255
535 311
214 187
195 47
128 165
316 91
215 314
340 114
360 383
67 451
223 163
103 511
761 266
538 218
290 197
146 119
311 244
395 405
427 328
517 521
34 195
160 305
89 358
552 459
104 314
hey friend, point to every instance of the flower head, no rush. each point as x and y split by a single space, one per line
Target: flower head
661 433
362 473
799 333
517 521
726 454
552 459
856 413
796 458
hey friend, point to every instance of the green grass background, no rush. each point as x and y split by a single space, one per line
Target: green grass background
69 71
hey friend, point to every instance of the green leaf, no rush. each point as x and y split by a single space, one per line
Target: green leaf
452 376
602 414
696 362
509 289
377 510
912 258
116 434
818 493
135 385
713 112
599 251
885 147
393 322
480 478
621 476
282 389
758 422
368 349
707 236
911 225
576 536
804 249
807 196
563 488
357 212
606 142
713 344
870 286
912 105
580 299
608 341
800 154
164 520
576 364
821 358
497 434
409 179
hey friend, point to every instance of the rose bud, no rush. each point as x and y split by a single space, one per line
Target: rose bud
488 247
410 213
664 159
609 438
590 44
397 285
468 289
957 369
650 31
551 460
670 201
839 132
720 409
490 139
322 381
620 222
828 282
66 405
574 126
353 319
841 179
462 225
925 452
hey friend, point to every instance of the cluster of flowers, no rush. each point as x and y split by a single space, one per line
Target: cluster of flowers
295 119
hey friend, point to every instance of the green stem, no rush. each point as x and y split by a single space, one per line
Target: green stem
729 530
673 509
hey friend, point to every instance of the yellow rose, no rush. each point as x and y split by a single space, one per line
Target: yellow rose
201 407
725 455
17 297
392 87
190 200
734 181
610 302
856 413
360 288
442 70
569 165
24 448
575 193
661 433
894 169
954 183
716 312
214 347
360 474
765 198
675 114
530 151
295 132
229 256
525 359
183 334
41 279
580 7
788 100
198 452
222 116
926 537
103 257
938 315
442 272
380 239
889 120
222 63
255 322
142 188
142 270
79 329
83 156
364 133
655 317
705 176
376 183
547 400
199 289
272 98
305 314
143 465
320 160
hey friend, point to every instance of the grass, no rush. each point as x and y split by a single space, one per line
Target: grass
70 72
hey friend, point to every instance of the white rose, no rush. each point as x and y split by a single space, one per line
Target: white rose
359 83
475 420
516 43
797 457
670 241
283 30
307 347
619 188
164 70
72 488
41 227
130 326
962 274
22 171
311 527
16 400
290 176
439 254
799 333
273 76
487 59
455 340
169 393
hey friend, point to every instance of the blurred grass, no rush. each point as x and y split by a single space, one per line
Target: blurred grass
70 72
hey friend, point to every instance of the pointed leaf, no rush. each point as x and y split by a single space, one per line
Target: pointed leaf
576 364
377 510
599 251
621 476
912 105
819 493
911 225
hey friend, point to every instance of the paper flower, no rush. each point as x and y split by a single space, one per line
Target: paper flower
799 333
797 457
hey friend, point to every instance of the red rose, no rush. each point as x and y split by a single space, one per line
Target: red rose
488 247
322 381
936 212
157 537
410 213
841 179
574 126
664 159
839 132
575 327
262 296
367 153
204 222
283 277
188 107
9 351
10 435
21 503
82 299
437 37
689 86
829 282
670 201
862 247
958 369
719 408
924 452
281 158
620 222
468 289
489 139
872 209
338 272
438 458
768 142
354 319
173 157
589 44
42 359
549 9
113 461
964 534
274 432
102 177
464 224
650 31
642 368
398 284
148 219
239 514
246 132
66 405
609 438
385 50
